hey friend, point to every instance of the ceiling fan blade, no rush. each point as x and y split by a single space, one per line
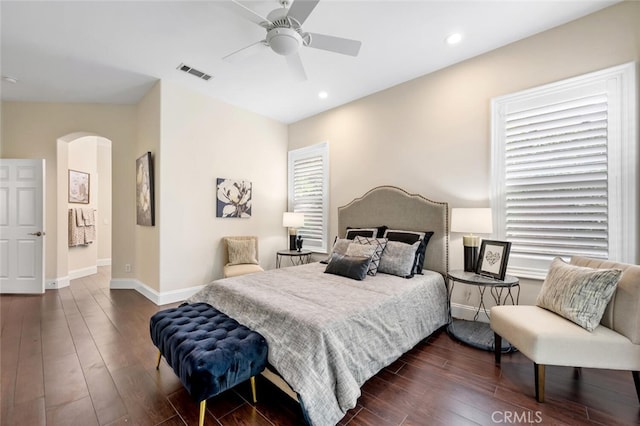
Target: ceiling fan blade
243 11
295 66
246 51
301 9
335 44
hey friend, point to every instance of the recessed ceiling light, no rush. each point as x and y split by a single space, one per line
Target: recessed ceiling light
454 38
8 79
323 95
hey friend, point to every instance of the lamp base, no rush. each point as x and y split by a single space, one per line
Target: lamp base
470 258
292 242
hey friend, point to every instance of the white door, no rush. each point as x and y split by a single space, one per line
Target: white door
21 226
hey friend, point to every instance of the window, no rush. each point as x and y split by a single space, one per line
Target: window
309 193
564 170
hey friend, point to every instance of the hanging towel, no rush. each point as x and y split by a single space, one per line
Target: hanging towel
79 218
89 217
76 233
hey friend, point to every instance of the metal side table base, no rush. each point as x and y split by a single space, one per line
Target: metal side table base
476 334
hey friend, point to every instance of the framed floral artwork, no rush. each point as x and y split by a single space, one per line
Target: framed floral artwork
79 187
233 198
144 191
493 259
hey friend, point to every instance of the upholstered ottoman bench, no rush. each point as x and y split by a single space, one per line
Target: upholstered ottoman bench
209 351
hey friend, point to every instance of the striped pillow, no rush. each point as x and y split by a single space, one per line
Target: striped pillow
578 293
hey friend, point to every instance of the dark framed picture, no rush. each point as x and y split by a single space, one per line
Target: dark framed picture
144 191
233 198
493 259
78 187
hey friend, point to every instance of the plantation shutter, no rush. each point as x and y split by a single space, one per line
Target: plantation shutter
308 186
564 171
556 179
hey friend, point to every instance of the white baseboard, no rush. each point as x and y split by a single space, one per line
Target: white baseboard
84 272
104 262
57 283
153 295
467 312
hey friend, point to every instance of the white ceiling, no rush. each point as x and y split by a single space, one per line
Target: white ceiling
113 52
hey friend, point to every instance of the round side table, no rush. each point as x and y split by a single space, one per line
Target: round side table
295 257
476 333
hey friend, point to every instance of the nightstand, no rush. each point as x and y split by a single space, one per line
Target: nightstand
475 333
295 257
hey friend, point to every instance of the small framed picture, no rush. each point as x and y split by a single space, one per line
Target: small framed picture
78 187
493 259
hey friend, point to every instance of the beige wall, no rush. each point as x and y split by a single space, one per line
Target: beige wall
103 225
204 139
31 130
146 262
432 135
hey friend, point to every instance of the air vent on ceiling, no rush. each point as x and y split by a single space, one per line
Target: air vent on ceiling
193 71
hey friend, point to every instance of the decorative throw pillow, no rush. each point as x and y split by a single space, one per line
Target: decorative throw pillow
348 266
379 244
399 258
361 250
410 237
578 293
241 251
339 246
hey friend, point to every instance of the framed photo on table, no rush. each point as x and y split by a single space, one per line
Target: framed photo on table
493 259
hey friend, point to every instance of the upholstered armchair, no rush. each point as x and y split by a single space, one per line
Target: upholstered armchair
548 338
241 256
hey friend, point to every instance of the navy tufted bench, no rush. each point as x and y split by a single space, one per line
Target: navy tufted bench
209 351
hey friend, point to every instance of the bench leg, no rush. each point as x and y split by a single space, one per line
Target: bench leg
159 357
636 380
539 378
203 409
253 389
497 347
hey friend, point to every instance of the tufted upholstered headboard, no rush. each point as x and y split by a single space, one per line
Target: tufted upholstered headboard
397 209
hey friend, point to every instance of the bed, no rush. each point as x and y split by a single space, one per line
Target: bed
328 334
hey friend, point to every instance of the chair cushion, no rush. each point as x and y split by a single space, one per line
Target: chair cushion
209 351
578 293
547 338
241 269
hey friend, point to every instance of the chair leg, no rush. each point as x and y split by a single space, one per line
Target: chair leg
203 409
539 379
253 389
497 350
159 358
636 380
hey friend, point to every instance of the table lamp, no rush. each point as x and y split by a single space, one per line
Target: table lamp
293 221
473 220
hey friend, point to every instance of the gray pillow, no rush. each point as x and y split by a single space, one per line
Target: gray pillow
578 293
379 244
398 258
354 267
339 246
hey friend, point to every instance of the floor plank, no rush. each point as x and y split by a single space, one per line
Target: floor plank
83 355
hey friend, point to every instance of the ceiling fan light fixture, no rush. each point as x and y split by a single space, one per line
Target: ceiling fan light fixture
284 41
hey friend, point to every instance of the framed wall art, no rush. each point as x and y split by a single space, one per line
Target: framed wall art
145 213
233 198
79 187
493 259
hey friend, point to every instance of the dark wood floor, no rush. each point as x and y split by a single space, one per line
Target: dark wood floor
82 356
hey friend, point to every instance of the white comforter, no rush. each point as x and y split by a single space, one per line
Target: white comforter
328 334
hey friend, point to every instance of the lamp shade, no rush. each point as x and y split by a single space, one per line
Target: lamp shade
473 220
292 220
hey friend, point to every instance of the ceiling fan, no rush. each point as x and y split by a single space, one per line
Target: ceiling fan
285 35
